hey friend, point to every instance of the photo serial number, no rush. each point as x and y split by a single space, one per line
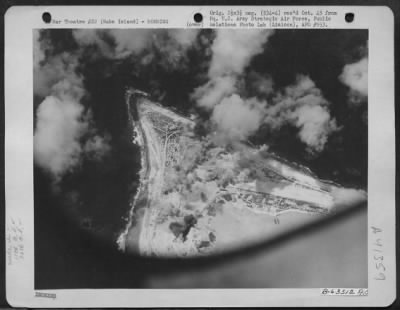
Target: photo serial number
157 21
344 292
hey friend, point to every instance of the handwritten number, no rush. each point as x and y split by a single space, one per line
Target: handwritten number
376 230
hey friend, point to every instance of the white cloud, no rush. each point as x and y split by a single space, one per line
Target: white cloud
172 46
211 93
232 50
236 119
171 43
355 76
53 70
64 131
184 37
128 41
92 37
56 140
303 106
315 125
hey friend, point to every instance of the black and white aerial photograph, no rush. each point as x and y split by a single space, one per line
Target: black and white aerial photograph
200 158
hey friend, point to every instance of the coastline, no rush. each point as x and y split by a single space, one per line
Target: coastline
136 236
133 227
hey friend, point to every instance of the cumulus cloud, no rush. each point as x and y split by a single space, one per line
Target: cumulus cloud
315 126
355 76
234 116
171 47
211 93
50 70
92 37
237 119
61 126
170 44
232 50
129 42
303 106
64 132
114 43
184 37
58 128
53 70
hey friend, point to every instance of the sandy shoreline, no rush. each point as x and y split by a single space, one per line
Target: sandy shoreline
133 235
282 198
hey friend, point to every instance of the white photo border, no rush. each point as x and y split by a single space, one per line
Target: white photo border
20 292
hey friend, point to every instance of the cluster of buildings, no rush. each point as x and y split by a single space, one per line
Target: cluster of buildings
268 203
